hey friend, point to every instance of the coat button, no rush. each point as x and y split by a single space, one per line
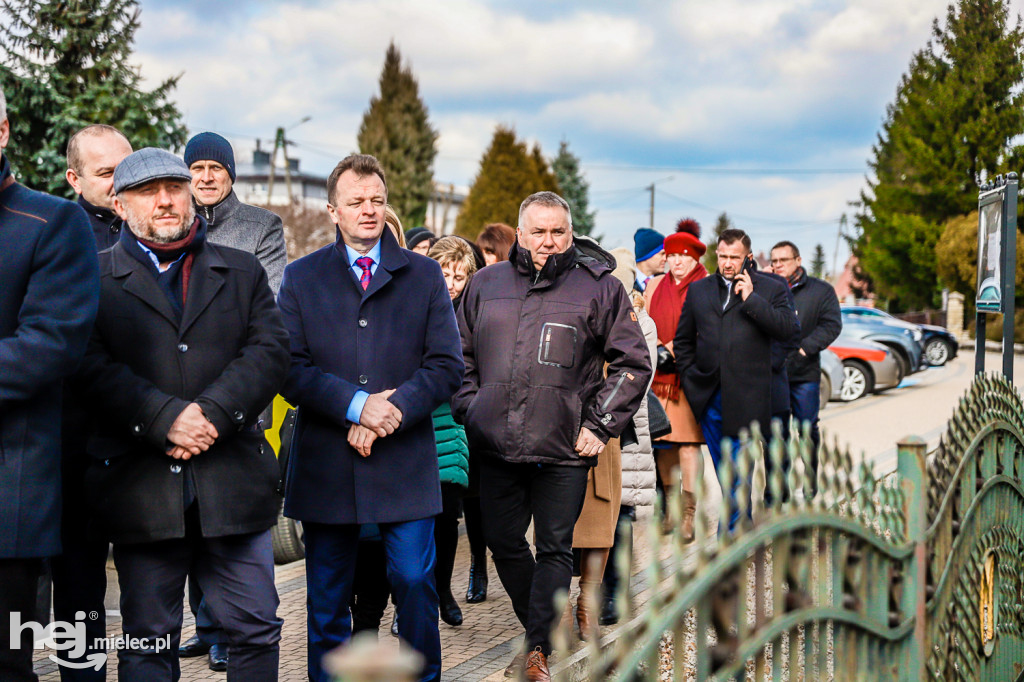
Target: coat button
183 347
106 462
363 379
362 322
175 468
137 428
239 415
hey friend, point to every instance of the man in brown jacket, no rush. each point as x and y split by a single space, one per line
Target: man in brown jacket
537 331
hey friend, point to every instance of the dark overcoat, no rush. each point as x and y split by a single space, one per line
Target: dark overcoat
399 333
732 348
228 353
48 296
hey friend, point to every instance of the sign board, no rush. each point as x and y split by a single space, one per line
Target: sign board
990 233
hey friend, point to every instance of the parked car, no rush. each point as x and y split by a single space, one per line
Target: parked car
940 345
905 340
868 367
831 378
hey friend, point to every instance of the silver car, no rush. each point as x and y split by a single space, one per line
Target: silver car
831 378
868 367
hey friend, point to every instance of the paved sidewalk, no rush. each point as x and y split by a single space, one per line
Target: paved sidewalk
479 649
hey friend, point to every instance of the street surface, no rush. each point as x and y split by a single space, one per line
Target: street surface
483 645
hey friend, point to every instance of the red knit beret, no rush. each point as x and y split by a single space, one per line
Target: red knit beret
684 242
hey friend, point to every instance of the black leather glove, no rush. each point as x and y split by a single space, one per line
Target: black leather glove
666 361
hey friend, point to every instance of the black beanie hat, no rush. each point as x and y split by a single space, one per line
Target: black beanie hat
415 235
211 147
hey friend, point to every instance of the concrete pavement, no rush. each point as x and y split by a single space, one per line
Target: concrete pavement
483 645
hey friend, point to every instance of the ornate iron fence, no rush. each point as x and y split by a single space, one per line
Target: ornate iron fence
915 576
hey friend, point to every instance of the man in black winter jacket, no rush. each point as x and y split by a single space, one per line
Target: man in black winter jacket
817 307
93 153
537 331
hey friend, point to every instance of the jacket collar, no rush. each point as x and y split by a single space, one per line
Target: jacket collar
104 214
138 280
6 177
583 253
217 214
392 258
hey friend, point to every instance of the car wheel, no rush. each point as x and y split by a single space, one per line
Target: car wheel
824 391
937 352
286 538
857 380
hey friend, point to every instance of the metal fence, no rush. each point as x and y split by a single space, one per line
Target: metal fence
918 575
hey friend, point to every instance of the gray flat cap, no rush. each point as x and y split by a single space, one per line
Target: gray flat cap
148 164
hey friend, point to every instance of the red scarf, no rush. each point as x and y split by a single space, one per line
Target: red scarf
171 251
665 309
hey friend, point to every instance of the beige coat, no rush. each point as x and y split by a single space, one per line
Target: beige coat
596 526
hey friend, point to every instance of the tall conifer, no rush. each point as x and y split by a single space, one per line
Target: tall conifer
509 172
955 113
64 65
575 189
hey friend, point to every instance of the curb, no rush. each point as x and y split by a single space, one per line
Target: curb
991 346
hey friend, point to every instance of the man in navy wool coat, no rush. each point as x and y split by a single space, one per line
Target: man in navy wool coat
375 349
49 294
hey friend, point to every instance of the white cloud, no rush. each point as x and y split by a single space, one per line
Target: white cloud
750 83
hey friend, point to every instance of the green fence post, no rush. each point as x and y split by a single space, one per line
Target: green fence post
912 474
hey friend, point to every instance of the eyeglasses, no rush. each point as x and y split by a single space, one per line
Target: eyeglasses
780 261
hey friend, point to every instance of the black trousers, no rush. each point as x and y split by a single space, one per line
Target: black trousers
19 579
446 536
474 527
552 496
237 576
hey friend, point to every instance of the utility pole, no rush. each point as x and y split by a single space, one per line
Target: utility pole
835 254
280 142
650 188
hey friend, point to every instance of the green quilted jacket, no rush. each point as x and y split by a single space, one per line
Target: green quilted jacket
452 447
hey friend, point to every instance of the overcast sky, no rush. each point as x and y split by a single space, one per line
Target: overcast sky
766 109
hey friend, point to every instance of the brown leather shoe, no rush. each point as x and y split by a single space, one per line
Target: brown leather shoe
516 666
537 667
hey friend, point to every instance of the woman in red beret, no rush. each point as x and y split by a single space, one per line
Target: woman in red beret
665 296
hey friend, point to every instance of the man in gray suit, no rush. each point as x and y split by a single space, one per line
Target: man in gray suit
211 161
256 230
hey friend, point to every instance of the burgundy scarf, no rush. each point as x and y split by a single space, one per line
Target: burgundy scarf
666 308
170 251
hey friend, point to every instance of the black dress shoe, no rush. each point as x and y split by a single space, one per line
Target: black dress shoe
219 657
609 614
450 611
192 647
477 591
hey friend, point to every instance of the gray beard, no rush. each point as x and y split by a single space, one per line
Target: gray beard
142 228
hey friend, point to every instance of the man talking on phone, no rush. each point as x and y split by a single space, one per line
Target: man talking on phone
723 346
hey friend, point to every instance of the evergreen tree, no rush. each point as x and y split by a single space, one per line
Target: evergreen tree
395 129
509 173
65 65
575 189
955 113
818 261
722 224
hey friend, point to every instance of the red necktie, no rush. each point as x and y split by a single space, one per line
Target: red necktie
364 262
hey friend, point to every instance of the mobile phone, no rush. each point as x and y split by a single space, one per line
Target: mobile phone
749 265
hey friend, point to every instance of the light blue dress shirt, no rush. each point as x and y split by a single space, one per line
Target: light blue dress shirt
355 408
156 261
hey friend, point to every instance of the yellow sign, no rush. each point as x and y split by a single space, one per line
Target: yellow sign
987 603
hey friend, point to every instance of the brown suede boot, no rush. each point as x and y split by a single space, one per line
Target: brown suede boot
537 667
689 509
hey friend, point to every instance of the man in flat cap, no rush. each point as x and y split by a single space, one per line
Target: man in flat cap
188 348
